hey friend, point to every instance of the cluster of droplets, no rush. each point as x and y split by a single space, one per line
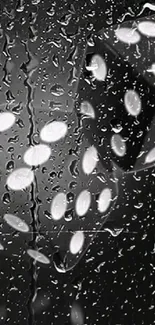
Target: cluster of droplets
132 100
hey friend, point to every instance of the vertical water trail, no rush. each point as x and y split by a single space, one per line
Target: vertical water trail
28 68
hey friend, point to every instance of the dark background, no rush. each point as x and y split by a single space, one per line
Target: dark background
114 280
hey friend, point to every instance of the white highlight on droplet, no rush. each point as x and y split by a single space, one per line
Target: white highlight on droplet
7 119
59 206
20 179
16 223
87 109
37 155
151 69
1 247
77 315
54 131
38 256
76 242
98 67
83 203
104 200
118 145
90 160
147 28
127 35
150 157
132 102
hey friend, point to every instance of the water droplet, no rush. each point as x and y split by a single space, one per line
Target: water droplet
90 160
38 256
58 263
127 35
20 179
76 242
83 203
77 316
53 131
73 168
150 157
114 232
147 28
57 90
132 102
118 145
10 165
37 155
16 223
7 120
59 206
6 198
104 200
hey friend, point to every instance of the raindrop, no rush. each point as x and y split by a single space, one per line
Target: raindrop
73 169
16 223
58 263
118 145
65 19
150 157
104 200
57 90
89 160
59 206
116 125
6 198
87 109
7 119
53 131
10 165
20 179
83 203
147 28
77 317
37 256
76 242
37 155
127 35
132 102
51 11
114 232
1 247
98 67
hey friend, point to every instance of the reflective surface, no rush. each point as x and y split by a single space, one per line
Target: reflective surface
76 242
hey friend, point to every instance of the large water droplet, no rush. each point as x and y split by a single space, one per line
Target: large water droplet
98 67
104 200
150 157
127 35
53 131
7 119
147 28
77 316
89 160
87 109
118 145
37 155
59 206
132 102
20 178
38 256
76 242
83 203
16 223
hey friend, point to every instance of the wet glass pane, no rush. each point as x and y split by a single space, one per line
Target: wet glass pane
76 240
